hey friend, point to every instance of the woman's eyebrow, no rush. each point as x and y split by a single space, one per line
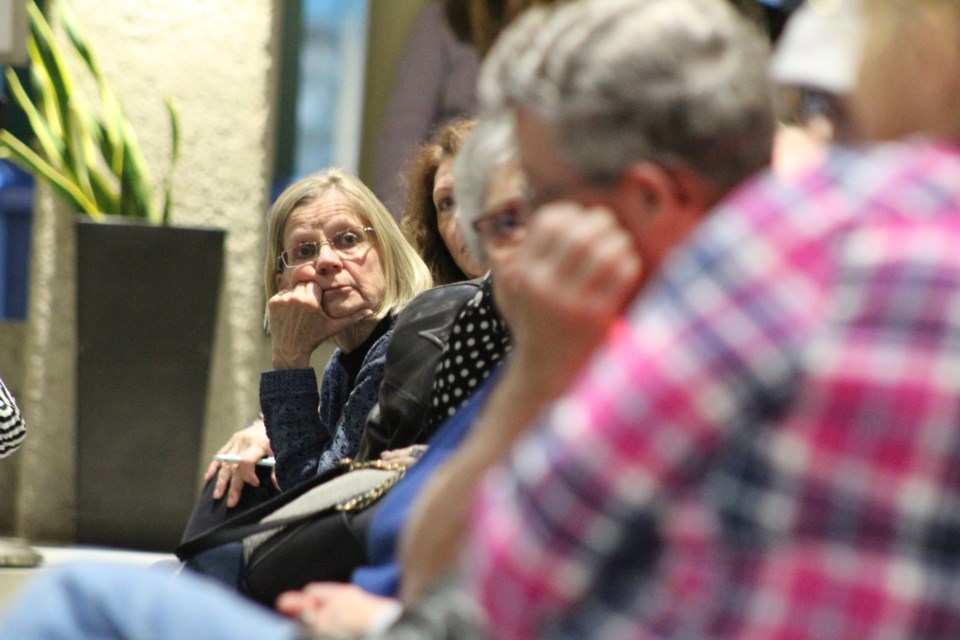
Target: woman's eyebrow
329 227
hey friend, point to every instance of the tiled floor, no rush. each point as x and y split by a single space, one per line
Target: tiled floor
11 580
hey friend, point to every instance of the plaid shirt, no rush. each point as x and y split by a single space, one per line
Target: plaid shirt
768 445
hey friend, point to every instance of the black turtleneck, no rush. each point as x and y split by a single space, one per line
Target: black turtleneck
353 360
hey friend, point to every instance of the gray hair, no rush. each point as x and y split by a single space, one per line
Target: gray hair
488 145
680 82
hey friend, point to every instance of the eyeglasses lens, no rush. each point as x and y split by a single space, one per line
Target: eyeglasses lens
348 243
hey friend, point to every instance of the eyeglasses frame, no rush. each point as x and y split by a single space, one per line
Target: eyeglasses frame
282 263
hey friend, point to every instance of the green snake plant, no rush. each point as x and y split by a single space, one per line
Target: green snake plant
89 156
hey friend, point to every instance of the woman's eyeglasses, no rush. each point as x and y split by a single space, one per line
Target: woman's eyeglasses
348 243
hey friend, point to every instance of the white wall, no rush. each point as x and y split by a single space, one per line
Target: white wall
215 58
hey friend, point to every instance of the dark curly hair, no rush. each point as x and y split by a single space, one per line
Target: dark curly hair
479 22
419 222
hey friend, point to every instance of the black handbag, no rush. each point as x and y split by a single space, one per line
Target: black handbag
313 532
326 549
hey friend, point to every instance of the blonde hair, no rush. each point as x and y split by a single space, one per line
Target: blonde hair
405 273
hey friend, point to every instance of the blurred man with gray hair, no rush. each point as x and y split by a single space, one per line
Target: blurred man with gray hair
765 445
644 111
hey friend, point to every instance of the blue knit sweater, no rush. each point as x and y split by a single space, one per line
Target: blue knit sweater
305 440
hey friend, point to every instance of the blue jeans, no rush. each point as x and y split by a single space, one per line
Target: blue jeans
222 563
102 601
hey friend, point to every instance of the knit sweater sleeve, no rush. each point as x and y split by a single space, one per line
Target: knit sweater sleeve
12 427
289 401
310 431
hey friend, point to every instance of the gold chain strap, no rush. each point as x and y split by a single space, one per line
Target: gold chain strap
367 498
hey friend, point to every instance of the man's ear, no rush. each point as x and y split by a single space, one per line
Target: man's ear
647 187
668 189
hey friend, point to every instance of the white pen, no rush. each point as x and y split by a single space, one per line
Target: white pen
231 457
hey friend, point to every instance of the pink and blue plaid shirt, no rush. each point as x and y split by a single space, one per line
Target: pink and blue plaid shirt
769 445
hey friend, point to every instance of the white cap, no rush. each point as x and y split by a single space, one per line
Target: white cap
820 46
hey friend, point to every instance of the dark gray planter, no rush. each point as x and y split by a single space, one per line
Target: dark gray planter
147 300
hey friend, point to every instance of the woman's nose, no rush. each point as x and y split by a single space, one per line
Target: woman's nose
328 259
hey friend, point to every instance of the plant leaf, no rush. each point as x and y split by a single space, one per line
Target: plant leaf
51 60
51 144
112 113
89 156
79 41
77 141
32 162
174 157
135 184
44 97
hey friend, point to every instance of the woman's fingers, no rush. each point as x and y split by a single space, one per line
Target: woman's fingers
297 324
250 444
211 470
237 481
406 456
292 603
223 481
231 479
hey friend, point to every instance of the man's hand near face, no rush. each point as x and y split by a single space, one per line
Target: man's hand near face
574 276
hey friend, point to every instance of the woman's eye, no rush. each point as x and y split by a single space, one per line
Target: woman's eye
346 239
305 251
446 204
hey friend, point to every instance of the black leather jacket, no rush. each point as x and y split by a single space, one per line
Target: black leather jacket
419 335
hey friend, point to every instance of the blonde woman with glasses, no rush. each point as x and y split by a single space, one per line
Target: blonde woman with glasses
337 270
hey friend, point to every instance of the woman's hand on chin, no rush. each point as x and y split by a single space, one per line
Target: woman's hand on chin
298 325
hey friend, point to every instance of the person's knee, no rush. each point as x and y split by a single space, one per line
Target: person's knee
84 582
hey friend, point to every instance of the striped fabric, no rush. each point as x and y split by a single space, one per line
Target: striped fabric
769 444
12 426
